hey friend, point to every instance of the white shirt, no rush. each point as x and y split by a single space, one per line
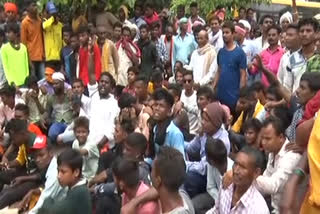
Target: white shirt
216 40
284 76
261 45
277 173
191 107
103 113
196 65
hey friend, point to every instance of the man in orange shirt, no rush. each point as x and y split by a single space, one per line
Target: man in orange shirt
31 37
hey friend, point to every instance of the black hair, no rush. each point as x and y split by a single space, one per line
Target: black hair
17 126
309 21
144 26
22 107
81 122
127 125
250 9
149 5
137 141
194 4
142 78
12 27
112 80
293 26
252 123
29 2
197 29
274 91
207 92
83 29
247 93
126 28
171 167
229 25
216 150
78 80
258 86
243 8
31 80
275 27
176 89
67 28
157 76
163 94
313 80
8 91
276 123
133 69
117 25
267 16
126 100
188 72
283 113
155 25
257 155
138 4
126 170
72 159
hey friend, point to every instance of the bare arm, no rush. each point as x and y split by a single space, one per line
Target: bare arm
295 12
115 58
91 65
243 78
216 79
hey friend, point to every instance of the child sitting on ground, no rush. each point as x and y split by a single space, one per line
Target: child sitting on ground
251 129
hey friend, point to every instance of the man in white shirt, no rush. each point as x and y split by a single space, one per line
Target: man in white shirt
280 162
262 42
215 33
203 60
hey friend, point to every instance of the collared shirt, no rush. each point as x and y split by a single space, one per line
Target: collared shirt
138 21
216 40
198 146
285 77
183 48
191 107
214 179
53 41
162 50
271 60
6 113
250 49
34 112
279 168
251 202
49 88
260 44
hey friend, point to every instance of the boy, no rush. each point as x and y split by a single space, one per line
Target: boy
69 175
66 51
132 75
251 129
126 176
87 148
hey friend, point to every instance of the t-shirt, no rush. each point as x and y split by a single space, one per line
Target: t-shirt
187 205
90 161
191 107
230 63
84 63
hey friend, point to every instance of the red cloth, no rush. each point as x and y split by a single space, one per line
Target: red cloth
9 6
123 42
84 63
150 20
311 109
34 129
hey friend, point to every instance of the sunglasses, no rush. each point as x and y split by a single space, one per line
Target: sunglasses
187 81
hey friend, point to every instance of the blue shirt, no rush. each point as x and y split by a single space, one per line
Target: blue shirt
198 145
230 63
183 48
65 55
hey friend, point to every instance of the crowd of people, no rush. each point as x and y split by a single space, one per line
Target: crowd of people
158 113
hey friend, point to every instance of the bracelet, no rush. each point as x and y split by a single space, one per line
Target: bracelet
300 172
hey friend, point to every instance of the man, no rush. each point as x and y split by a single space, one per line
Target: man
262 42
281 162
117 32
184 44
161 48
141 89
11 11
180 14
168 40
251 17
150 15
52 33
231 73
194 14
242 195
138 14
129 55
242 13
106 19
272 55
31 37
109 53
203 60
215 33
149 54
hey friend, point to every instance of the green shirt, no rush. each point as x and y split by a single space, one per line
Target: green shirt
15 63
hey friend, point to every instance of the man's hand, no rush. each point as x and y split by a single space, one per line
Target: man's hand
258 62
24 205
227 179
270 105
4 165
18 180
129 208
43 90
43 124
178 107
196 86
294 147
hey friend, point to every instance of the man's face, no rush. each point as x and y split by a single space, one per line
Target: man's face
77 88
244 171
292 38
81 134
242 14
74 42
11 36
304 92
270 140
227 35
141 89
66 37
84 38
242 104
122 15
20 115
273 37
11 16
119 134
126 35
148 12
307 34
117 32
131 77
179 78
102 33
161 110
19 138
250 14
104 86
187 82
194 11
138 11
202 102
33 8
180 12
155 32
214 25
284 24
42 158
144 34
58 86
169 32
130 152
67 176
184 27
202 38
250 136
267 22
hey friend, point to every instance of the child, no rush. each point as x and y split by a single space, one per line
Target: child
66 51
70 175
132 74
251 129
126 176
87 148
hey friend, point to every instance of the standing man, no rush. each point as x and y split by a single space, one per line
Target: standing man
161 48
262 41
231 73
31 37
215 33
194 14
104 18
167 39
203 61
138 14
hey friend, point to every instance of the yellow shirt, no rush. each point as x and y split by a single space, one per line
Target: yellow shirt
53 41
238 124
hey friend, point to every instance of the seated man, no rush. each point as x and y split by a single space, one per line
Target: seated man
242 196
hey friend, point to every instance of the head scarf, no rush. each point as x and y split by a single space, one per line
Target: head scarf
183 20
58 76
240 30
246 24
215 113
10 7
287 15
48 73
125 10
196 23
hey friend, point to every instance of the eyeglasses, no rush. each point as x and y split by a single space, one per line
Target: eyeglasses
187 81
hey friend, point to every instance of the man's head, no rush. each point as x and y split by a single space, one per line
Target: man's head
138 9
242 13
58 82
194 9
155 30
18 131
214 24
292 40
240 32
183 24
308 87
175 91
163 104
117 30
84 34
272 135
205 96
213 116
69 167
216 152
11 11
273 35
126 101
188 80
13 31
247 99
250 14
66 33
308 28
74 41
42 152
126 33
77 87
266 22
228 30
21 112
135 146
51 9
144 32
141 87
251 129
102 33
122 130
31 7
132 73
148 9
248 165
180 11
157 79
168 170
7 95
125 174
169 31
106 84
203 38
81 129
272 94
